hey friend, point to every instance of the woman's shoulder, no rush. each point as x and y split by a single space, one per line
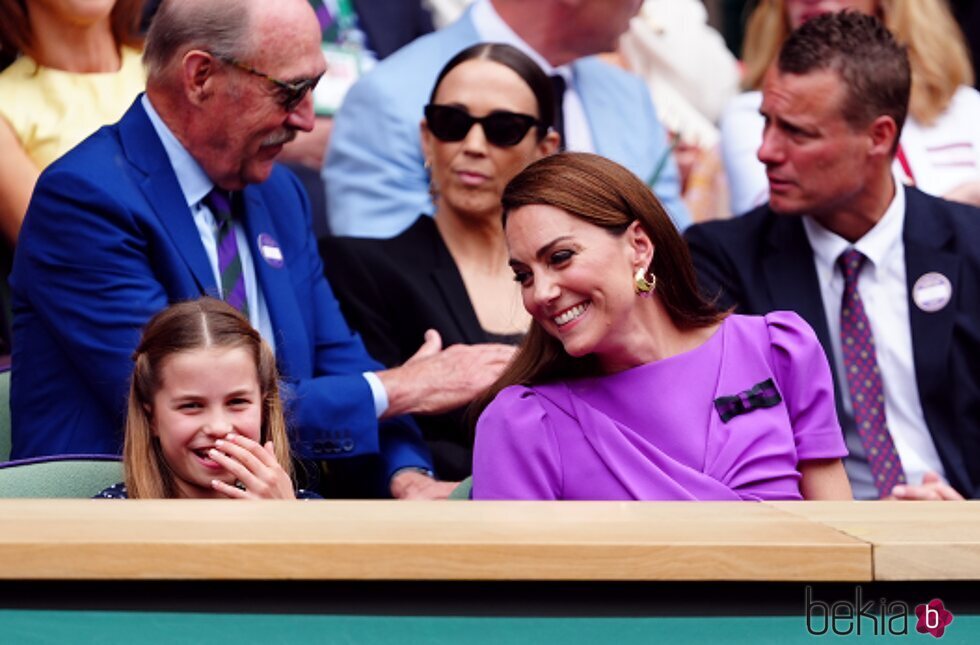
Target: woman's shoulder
778 319
19 91
515 395
19 71
552 402
784 329
519 400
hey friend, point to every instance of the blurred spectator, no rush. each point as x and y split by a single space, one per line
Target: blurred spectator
967 13
691 76
356 34
79 68
376 182
449 272
940 146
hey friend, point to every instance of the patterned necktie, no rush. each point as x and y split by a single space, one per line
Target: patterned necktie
558 89
222 205
864 379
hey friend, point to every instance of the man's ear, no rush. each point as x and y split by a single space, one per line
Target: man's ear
197 74
883 132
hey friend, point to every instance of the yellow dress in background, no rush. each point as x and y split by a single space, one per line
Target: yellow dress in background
52 110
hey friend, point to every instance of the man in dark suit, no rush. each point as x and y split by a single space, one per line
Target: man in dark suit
886 275
125 224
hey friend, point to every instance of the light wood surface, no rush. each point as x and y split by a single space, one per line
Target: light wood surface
910 540
389 540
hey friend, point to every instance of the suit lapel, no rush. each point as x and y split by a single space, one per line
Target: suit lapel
791 276
451 288
931 332
274 281
925 238
606 134
159 184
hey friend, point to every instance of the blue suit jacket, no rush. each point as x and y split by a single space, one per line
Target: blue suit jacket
376 182
762 262
108 241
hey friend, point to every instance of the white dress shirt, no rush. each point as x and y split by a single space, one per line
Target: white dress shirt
492 28
882 287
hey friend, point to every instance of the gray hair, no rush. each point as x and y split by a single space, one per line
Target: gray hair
217 26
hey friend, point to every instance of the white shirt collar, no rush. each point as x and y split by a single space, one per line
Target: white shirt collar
875 245
492 29
194 182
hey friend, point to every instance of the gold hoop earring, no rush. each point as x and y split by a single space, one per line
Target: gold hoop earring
642 284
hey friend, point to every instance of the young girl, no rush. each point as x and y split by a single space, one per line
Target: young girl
204 417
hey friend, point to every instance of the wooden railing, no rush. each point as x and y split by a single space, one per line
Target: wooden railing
390 540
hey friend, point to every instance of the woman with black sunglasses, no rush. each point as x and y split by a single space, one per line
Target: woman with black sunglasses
489 115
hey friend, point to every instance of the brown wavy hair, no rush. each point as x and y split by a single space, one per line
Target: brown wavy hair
184 327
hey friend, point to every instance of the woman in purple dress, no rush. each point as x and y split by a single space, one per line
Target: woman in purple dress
629 384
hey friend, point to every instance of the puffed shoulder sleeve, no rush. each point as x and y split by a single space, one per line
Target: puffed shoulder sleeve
803 377
516 453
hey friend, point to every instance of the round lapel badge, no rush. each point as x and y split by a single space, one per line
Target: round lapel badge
932 291
270 251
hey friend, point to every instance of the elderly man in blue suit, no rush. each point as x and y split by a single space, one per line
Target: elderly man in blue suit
376 181
887 276
126 223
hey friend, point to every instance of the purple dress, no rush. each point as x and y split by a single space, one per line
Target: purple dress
729 420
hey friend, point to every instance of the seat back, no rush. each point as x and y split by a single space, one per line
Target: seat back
463 490
63 476
4 414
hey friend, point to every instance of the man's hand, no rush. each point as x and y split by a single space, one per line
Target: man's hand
411 484
437 380
932 488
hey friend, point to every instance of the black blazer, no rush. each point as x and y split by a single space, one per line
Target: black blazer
391 291
762 262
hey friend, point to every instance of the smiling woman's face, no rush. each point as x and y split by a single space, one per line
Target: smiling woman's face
470 175
577 281
799 11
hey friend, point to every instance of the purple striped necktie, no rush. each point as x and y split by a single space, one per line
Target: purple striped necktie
226 207
864 379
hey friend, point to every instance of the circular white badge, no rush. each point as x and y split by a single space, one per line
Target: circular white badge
270 251
932 291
